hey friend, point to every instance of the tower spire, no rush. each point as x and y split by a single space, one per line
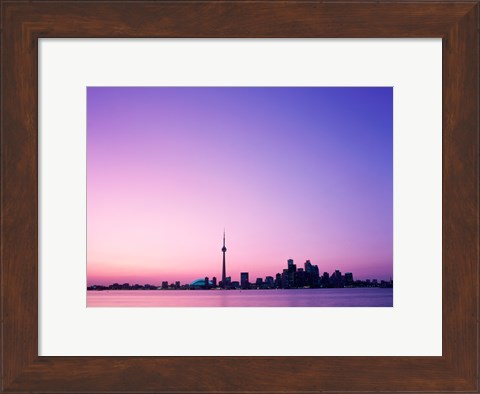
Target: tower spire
224 271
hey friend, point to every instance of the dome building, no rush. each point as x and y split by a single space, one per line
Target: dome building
199 283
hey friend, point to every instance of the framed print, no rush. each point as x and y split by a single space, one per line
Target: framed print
199 196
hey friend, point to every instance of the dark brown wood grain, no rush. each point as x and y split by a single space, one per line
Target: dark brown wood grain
23 22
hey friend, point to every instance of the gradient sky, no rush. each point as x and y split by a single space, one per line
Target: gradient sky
302 173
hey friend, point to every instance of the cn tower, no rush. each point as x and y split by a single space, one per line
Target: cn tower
224 273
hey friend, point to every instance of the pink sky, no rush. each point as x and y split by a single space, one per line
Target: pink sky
302 173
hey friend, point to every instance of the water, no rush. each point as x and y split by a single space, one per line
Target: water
348 297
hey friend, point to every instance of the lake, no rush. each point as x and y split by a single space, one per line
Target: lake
346 297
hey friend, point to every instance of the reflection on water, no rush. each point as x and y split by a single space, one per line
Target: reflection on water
348 297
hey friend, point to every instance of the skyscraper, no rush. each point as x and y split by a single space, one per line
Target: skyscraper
224 272
348 278
244 280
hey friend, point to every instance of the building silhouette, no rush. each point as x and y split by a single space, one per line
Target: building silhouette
244 280
348 279
336 279
269 282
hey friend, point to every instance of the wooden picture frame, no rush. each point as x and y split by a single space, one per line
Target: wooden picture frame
24 22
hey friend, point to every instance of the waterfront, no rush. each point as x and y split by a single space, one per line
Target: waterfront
342 297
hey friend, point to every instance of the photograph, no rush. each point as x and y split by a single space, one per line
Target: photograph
239 196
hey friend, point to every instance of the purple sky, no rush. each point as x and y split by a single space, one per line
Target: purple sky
302 173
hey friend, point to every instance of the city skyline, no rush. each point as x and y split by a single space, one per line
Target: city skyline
293 276
306 170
